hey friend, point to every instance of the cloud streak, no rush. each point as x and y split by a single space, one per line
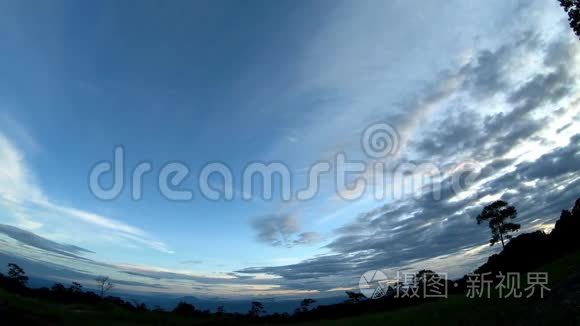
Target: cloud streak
31 239
21 194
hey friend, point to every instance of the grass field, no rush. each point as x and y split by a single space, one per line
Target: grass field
560 307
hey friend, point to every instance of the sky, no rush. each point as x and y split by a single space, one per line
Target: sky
488 85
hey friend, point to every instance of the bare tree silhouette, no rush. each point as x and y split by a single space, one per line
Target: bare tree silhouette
104 284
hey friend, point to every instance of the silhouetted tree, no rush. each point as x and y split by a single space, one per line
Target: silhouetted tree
220 310
424 274
572 8
256 309
104 284
184 309
354 297
76 287
306 303
529 251
17 275
58 288
140 306
421 278
497 213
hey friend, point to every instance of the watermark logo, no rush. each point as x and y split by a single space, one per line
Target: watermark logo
381 175
372 284
427 284
509 285
380 140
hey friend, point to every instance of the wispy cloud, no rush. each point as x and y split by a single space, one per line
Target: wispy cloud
282 230
524 161
31 239
21 194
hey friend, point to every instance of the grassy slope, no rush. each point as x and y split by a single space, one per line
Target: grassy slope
452 311
459 310
34 311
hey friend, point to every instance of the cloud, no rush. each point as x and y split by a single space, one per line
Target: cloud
543 88
275 229
411 234
16 181
141 275
282 230
471 133
34 240
23 197
562 161
348 86
43 271
428 232
308 238
192 261
139 284
496 101
488 73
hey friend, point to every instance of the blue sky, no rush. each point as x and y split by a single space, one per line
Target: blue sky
289 81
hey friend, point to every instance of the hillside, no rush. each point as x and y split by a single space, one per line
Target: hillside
560 306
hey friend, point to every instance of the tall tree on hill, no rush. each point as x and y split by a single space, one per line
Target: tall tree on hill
17 275
498 214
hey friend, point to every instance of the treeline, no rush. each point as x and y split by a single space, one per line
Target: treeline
16 281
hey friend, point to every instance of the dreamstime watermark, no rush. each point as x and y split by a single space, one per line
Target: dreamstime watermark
426 284
381 173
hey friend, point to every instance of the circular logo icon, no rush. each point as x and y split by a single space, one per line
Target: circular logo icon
380 140
372 284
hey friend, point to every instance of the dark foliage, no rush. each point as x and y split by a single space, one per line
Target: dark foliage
17 275
498 214
184 309
572 8
354 297
256 309
306 303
